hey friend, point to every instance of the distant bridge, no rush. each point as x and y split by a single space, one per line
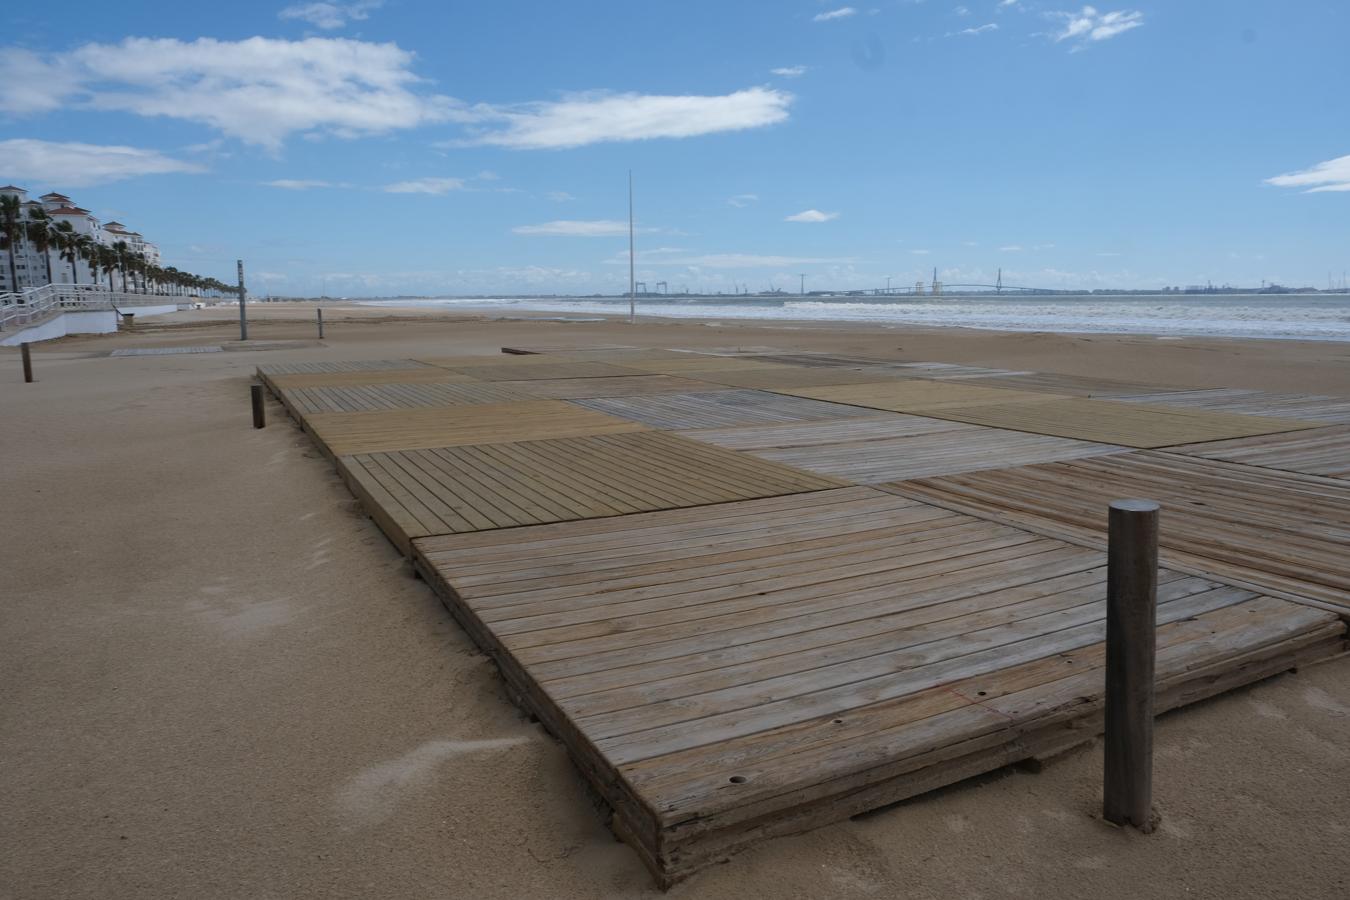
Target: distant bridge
958 288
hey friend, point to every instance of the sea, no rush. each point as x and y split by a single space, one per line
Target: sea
1322 317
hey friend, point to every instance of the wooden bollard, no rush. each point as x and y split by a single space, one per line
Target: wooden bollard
1131 641
259 411
320 312
27 362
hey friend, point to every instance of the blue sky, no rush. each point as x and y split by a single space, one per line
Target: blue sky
420 147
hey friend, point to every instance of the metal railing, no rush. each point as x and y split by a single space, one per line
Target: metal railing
34 306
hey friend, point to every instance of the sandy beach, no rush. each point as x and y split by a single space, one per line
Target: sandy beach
221 680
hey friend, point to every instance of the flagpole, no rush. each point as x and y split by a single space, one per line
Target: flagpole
632 282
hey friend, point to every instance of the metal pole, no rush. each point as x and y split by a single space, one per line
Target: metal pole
259 411
1131 640
27 363
243 316
632 277
320 312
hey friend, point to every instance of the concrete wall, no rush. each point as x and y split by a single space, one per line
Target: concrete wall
98 321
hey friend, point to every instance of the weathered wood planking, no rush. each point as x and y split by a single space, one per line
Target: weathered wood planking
720 408
867 451
1320 451
364 398
731 672
534 370
1256 403
617 386
1073 385
364 365
698 363
1111 422
488 423
419 375
918 395
1279 530
450 490
796 377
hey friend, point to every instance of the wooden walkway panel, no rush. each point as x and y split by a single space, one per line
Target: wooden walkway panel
1071 385
534 371
715 409
917 395
1279 530
1111 422
866 451
1255 403
489 423
736 671
362 365
363 398
449 490
617 386
1319 451
419 375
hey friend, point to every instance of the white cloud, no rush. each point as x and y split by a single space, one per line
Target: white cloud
974 31
1004 4
842 12
743 200
812 215
425 186
789 71
576 228
1089 26
1011 248
961 11
750 261
599 116
1332 175
260 90
298 184
330 15
79 165
559 196
921 252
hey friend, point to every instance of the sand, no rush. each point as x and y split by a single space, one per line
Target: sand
220 680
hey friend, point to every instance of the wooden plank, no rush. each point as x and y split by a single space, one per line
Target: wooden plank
411 429
1321 451
363 365
763 666
417 375
532 368
720 408
916 395
1111 422
1070 385
357 398
1266 527
1256 403
617 386
913 449
452 490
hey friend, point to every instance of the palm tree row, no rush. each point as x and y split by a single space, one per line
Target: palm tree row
136 273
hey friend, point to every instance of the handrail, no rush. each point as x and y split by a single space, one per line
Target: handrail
35 305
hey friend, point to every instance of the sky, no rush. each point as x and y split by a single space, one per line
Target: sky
410 147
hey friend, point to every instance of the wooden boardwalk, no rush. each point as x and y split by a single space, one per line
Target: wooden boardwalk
678 565
866 451
1282 531
748 669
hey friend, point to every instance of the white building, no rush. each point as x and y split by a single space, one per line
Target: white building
30 266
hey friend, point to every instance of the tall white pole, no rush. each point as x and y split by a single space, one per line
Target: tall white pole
632 277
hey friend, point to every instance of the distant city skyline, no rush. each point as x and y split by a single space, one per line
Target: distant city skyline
387 147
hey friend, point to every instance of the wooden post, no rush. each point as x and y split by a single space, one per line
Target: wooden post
27 363
243 313
320 324
1131 623
259 411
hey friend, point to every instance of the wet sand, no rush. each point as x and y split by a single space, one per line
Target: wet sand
220 680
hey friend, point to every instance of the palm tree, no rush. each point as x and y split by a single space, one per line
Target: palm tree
120 253
107 261
39 230
88 250
9 234
68 245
